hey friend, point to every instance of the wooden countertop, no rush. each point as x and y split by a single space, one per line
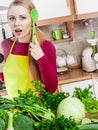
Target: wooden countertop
3 92
70 76
74 75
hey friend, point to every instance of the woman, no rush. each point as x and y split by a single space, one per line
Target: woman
25 61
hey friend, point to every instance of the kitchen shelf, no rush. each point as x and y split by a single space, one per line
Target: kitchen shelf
55 20
69 26
62 40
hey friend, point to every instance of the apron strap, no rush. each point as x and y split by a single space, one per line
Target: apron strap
12 46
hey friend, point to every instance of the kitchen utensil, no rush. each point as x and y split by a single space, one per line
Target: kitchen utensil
34 16
88 62
3 30
57 34
1 57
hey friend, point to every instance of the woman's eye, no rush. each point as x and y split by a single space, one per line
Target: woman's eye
11 18
22 17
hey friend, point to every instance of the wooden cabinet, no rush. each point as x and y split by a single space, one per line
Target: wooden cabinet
86 8
70 87
54 8
53 11
56 11
66 27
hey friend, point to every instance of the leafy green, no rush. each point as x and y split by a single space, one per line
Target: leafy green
58 124
3 119
41 96
88 99
89 126
51 101
2 124
38 109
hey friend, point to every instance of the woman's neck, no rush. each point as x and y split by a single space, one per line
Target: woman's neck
25 40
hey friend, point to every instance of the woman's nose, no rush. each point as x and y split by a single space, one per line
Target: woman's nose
17 22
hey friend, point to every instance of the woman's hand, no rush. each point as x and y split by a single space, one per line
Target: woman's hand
35 50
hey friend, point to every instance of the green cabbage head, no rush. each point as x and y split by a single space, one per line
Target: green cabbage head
71 107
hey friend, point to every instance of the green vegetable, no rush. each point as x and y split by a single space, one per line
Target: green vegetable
10 121
36 111
37 125
51 101
22 122
48 100
90 126
29 103
18 121
3 119
2 124
36 108
94 120
71 107
88 99
60 123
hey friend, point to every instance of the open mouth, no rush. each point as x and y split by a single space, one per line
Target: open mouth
18 30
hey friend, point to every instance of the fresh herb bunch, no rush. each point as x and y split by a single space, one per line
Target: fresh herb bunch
58 124
51 101
88 99
3 119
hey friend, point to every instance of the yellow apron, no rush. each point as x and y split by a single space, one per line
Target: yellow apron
16 74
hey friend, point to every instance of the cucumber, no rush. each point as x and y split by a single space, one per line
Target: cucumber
89 126
94 120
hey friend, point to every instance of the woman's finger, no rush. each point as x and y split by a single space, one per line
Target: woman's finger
35 38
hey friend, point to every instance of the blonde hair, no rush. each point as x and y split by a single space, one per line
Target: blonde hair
33 68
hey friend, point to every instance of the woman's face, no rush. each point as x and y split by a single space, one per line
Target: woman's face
20 22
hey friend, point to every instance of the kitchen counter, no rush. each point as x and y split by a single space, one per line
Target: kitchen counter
70 76
75 75
3 92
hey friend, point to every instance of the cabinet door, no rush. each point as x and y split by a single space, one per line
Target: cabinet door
5 2
71 86
52 8
95 82
86 7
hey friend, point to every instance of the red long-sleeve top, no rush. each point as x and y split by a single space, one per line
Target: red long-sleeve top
46 64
